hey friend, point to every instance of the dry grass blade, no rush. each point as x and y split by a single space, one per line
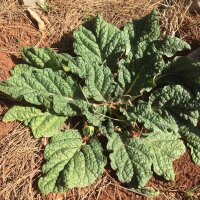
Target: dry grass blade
105 188
20 163
173 16
63 18
68 15
176 20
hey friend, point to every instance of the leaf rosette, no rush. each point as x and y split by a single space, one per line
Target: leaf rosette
117 81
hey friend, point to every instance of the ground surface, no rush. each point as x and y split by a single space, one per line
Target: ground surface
21 155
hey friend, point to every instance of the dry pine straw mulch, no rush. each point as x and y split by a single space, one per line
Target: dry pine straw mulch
21 156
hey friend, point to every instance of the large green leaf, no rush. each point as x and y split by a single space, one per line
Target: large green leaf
21 68
57 92
99 49
144 29
171 45
102 44
178 102
71 163
99 80
41 123
138 70
182 68
159 122
22 113
133 157
100 83
191 135
41 58
165 148
140 67
130 159
44 87
166 108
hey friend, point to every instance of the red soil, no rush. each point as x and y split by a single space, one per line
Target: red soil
6 65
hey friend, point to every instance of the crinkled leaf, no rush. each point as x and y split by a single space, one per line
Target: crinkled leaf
153 120
141 64
191 135
171 45
41 123
140 67
138 70
21 113
98 50
41 58
165 148
21 68
133 158
51 95
96 116
103 44
166 107
44 87
100 83
182 68
99 80
71 163
144 29
130 159
177 102
46 125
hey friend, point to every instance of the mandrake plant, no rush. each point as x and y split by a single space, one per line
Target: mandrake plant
126 85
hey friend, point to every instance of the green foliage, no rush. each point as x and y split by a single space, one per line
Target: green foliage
118 81
133 157
42 123
191 136
41 58
70 162
88 130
